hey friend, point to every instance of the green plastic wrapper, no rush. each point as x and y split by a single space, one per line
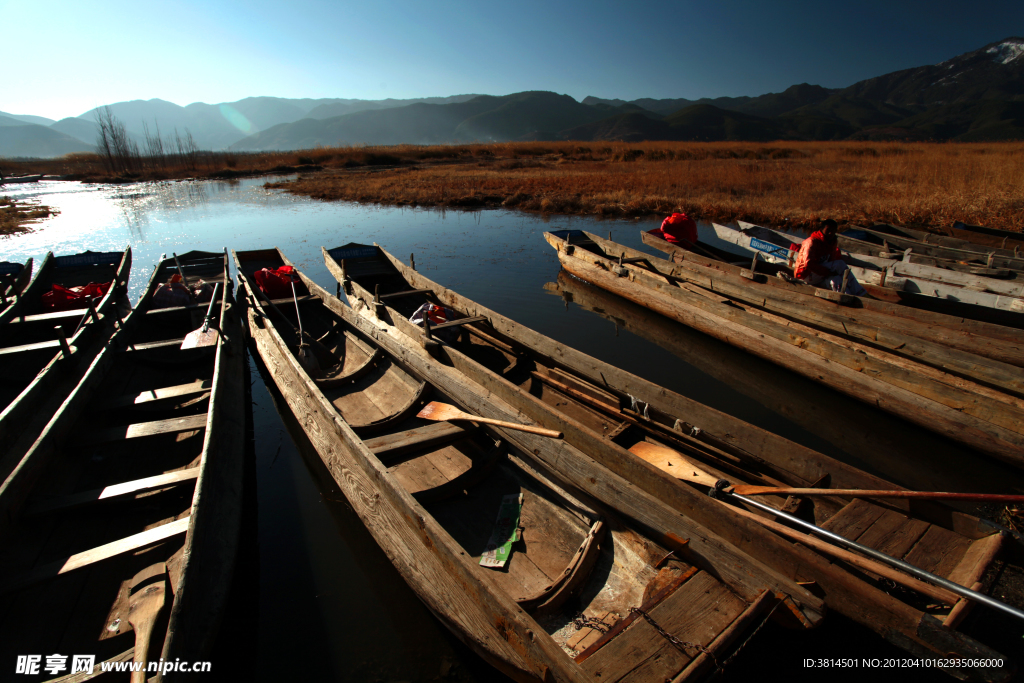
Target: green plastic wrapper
506 532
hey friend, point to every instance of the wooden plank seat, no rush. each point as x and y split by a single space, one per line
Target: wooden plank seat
144 429
28 348
460 321
408 292
204 306
150 395
56 316
112 492
94 555
391 446
147 346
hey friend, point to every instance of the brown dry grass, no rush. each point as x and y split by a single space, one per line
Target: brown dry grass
919 184
786 183
15 217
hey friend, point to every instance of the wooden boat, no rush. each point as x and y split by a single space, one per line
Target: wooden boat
981 417
12 180
430 492
885 285
879 230
601 409
892 449
935 339
913 269
44 354
964 253
14 277
987 237
118 528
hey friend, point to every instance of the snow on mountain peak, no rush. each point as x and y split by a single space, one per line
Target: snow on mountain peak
1007 51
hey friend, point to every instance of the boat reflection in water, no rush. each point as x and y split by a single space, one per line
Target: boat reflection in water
812 415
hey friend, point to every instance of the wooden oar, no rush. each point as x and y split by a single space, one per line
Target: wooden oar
149 591
442 412
204 336
656 455
306 358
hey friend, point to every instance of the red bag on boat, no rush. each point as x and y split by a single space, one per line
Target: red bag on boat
275 283
677 229
171 294
68 299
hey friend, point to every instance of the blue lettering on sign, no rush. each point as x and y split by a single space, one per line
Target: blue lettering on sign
768 248
89 259
354 252
7 268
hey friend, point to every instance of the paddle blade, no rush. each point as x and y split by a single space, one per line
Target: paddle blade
441 412
671 461
198 338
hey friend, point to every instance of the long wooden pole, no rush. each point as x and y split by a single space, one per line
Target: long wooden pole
680 467
747 490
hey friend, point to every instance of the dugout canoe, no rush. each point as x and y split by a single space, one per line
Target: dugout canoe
936 339
913 458
958 236
965 253
951 299
14 277
980 417
134 483
44 354
601 409
985 236
429 493
918 274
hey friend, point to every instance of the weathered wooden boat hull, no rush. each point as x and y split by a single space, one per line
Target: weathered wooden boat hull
107 490
965 253
14 278
936 296
915 459
443 570
986 339
569 391
986 237
992 362
925 396
39 374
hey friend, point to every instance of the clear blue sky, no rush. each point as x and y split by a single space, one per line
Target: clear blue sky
81 54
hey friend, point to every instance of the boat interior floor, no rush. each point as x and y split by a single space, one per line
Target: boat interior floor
129 466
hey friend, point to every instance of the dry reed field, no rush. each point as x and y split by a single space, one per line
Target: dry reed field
791 183
15 217
781 184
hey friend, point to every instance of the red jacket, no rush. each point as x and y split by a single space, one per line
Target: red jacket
677 229
813 251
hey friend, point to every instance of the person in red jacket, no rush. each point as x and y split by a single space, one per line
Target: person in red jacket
678 229
820 263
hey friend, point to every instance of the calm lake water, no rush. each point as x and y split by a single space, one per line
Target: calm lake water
330 604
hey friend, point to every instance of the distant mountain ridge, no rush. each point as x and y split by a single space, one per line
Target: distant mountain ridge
978 95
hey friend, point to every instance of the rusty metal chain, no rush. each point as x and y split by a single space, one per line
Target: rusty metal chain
680 645
746 640
581 621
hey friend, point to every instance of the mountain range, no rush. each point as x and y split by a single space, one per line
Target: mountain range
977 96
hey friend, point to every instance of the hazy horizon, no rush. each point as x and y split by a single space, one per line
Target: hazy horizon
213 52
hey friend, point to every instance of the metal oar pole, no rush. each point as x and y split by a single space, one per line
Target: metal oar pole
871 552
